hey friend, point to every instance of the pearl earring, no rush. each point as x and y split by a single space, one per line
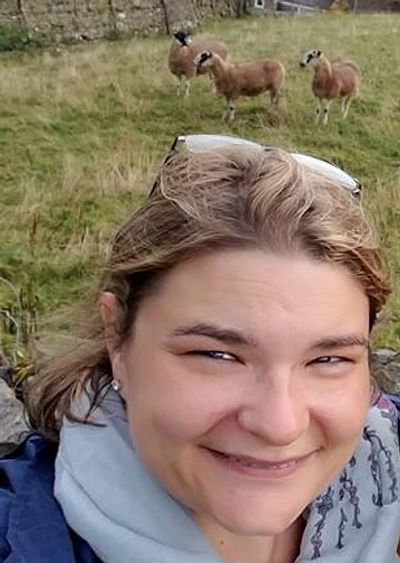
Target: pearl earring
116 385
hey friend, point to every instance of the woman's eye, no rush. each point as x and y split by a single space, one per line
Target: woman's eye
215 355
332 360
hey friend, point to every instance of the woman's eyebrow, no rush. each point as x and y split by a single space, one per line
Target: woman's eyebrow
333 342
226 335
235 336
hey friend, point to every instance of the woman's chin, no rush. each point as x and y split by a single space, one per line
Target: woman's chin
255 523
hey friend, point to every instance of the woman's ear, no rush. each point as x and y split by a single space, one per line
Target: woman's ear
109 313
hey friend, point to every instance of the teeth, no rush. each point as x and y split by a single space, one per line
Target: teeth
259 464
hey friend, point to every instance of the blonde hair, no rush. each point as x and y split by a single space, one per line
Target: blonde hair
203 202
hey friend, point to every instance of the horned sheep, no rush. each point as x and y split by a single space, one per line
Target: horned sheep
336 79
235 80
181 57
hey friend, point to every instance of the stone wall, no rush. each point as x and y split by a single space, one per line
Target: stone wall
97 18
376 5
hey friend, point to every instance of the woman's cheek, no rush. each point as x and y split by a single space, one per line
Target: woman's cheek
344 417
191 417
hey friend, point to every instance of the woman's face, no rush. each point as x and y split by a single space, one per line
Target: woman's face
246 384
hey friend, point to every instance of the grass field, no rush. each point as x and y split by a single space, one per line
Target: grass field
83 131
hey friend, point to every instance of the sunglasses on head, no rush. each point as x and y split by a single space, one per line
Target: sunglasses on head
199 143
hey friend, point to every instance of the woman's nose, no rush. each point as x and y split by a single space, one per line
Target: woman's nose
278 413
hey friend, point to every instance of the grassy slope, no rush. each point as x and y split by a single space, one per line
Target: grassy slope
82 133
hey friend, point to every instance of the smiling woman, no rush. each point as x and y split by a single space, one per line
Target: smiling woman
220 406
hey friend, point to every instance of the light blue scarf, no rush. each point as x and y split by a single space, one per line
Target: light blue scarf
110 499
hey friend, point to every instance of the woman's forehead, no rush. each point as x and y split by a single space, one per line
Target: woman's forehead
250 289
256 267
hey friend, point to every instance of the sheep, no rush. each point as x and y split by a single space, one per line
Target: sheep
336 79
182 54
235 80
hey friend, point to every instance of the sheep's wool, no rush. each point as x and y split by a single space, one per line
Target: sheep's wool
111 500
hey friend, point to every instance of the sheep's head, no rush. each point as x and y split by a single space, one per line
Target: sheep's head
311 58
203 59
182 38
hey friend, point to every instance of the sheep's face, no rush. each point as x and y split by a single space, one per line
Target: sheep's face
182 39
311 58
203 60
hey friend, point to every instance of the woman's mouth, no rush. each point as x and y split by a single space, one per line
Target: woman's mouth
247 465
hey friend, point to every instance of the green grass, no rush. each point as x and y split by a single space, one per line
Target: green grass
20 39
83 131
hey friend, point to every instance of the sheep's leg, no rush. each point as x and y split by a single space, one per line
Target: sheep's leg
231 112
326 111
318 112
346 106
274 95
187 87
179 86
213 90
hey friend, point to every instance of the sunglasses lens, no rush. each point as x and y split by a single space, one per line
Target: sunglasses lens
332 172
198 143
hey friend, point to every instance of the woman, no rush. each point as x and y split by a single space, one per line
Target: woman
219 406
